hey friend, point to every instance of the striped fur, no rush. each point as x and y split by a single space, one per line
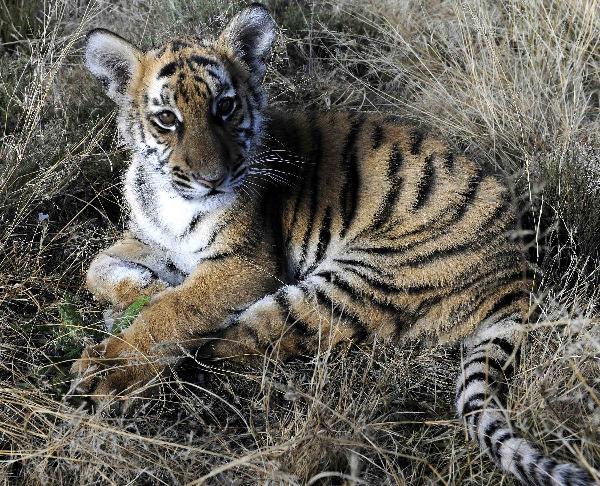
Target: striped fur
480 399
263 231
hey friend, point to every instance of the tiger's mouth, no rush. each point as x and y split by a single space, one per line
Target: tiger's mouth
200 192
189 187
191 190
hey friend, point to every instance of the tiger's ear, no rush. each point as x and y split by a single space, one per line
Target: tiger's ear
250 35
112 60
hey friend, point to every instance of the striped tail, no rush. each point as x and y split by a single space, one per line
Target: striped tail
481 400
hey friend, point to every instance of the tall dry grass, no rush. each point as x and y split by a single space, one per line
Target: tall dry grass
515 84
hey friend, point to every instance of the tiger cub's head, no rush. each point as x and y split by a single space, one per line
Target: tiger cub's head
192 110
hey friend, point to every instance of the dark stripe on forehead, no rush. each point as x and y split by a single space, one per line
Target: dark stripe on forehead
200 80
194 61
168 70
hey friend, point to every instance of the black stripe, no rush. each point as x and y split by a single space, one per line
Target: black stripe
487 361
145 197
498 442
382 250
438 227
285 306
482 280
345 315
382 286
324 237
335 280
488 433
531 466
367 265
478 376
225 86
416 140
163 96
425 185
448 161
518 462
357 294
456 249
249 112
506 346
199 81
182 184
219 256
546 473
180 175
290 132
271 210
506 301
471 407
196 60
349 192
194 223
390 198
140 126
377 137
493 375
316 139
168 70
469 196
215 233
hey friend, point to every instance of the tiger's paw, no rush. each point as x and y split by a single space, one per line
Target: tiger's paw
114 375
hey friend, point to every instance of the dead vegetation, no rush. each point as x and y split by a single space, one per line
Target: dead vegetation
516 84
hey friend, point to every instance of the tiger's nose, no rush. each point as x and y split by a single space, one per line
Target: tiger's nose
210 183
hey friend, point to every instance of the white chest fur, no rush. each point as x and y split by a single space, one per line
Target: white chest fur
179 227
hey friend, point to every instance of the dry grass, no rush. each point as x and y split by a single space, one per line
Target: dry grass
513 83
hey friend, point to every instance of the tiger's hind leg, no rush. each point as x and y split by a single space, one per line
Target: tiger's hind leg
296 320
481 401
128 269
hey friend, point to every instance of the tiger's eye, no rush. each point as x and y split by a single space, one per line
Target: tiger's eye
225 106
167 118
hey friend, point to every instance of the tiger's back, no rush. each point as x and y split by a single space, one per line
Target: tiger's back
406 237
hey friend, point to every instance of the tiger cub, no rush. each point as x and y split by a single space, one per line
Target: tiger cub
263 231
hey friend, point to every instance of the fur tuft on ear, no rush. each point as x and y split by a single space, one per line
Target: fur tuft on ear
250 35
112 60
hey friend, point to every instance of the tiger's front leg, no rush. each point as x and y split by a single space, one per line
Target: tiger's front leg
174 321
129 269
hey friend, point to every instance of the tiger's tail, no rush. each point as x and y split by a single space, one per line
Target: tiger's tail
481 401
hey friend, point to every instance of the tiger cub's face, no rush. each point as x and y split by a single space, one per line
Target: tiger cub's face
192 110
